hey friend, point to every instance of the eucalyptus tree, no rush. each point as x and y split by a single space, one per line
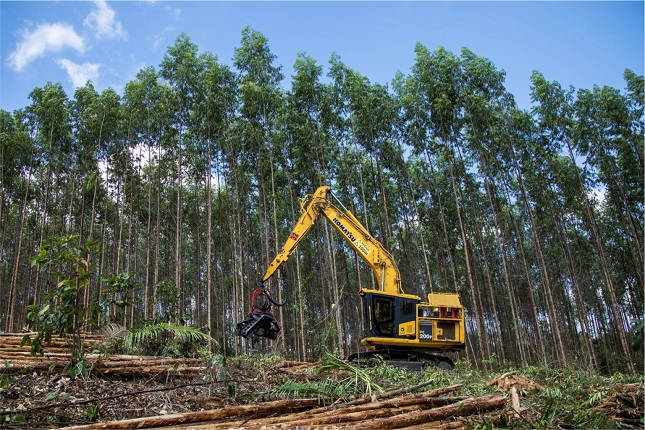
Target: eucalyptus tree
147 103
87 120
309 153
435 83
48 116
526 154
112 159
555 114
604 135
213 115
181 69
17 161
260 98
485 102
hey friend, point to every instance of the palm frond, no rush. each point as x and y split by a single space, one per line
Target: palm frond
138 336
113 331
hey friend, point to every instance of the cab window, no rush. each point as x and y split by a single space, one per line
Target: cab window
384 316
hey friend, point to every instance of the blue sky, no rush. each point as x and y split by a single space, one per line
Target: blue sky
575 43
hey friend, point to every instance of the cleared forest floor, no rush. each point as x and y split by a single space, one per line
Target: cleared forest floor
125 391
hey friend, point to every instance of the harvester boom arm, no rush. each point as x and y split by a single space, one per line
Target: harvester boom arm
356 235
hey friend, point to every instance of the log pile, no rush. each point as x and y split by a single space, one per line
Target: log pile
388 411
16 358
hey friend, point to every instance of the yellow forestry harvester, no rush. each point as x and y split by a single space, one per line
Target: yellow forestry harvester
399 327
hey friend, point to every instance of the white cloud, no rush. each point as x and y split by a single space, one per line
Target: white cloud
174 12
103 21
48 37
79 74
157 39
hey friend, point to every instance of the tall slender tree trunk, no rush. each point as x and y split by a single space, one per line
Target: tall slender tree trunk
527 276
482 335
301 304
157 244
553 322
209 241
178 231
11 302
148 287
600 249
507 282
276 239
44 214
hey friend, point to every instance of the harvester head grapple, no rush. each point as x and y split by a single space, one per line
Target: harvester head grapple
259 321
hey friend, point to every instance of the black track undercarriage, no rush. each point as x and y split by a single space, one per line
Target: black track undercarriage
411 359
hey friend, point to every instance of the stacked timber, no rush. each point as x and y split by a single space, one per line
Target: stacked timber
57 354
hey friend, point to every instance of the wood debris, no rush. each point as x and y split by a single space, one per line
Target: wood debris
393 409
512 379
385 412
626 403
514 383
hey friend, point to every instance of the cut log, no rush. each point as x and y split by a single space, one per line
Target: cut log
353 412
462 408
434 393
202 416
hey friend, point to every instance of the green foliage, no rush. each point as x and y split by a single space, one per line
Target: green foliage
325 389
4 379
92 412
570 396
63 312
165 338
118 294
358 381
166 299
637 335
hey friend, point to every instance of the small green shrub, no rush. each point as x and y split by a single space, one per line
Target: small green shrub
167 339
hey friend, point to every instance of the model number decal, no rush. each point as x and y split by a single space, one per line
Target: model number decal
362 247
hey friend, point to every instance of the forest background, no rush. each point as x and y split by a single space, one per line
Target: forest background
189 183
